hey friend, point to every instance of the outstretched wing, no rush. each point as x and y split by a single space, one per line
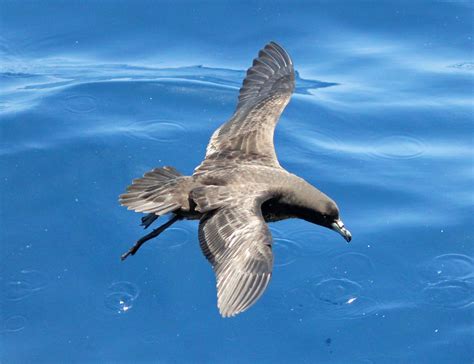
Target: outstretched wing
238 244
248 136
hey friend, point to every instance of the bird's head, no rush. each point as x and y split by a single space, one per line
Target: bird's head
307 202
330 215
326 213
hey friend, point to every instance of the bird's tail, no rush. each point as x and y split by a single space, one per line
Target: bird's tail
159 191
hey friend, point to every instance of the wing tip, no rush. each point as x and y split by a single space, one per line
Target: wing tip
280 49
272 63
226 313
231 308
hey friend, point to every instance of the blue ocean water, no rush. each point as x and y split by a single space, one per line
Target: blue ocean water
95 93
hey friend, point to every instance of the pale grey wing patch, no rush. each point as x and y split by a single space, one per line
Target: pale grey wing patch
228 159
209 198
248 135
237 242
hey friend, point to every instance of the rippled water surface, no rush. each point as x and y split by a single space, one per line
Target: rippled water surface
94 94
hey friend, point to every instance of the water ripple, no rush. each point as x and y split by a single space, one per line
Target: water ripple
389 147
311 239
314 141
80 104
399 147
337 291
446 267
175 238
13 324
341 299
355 266
448 281
285 251
164 131
27 283
357 307
125 286
333 298
120 297
450 294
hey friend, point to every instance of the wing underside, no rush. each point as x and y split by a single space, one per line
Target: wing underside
248 136
237 242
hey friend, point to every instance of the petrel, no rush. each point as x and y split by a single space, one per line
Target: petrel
238 188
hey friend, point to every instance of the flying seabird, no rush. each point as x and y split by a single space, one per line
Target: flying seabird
238 188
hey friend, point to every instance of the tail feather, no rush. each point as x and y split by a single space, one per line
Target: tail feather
158 192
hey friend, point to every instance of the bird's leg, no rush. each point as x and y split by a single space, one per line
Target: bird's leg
149 236
147 220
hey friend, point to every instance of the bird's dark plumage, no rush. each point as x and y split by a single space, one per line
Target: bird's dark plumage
238 188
